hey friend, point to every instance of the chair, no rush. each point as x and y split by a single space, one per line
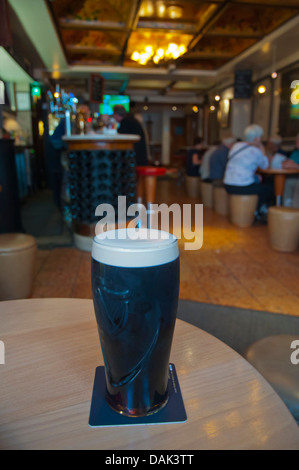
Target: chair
207 194
242 208
221 200
283 228
193 184
17 259
275 357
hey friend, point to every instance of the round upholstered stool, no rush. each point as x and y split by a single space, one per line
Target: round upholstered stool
193 186
17 258
276 358
283 228
147 182
242 208
207 194
221 200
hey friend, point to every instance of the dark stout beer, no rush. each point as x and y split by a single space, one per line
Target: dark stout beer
135 290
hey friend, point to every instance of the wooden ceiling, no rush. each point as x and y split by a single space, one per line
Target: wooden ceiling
107 32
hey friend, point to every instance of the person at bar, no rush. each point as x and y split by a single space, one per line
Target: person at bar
205 162
295 153
194 157
291 194
218 159
128 124
278 160
274 153
244 159
273 146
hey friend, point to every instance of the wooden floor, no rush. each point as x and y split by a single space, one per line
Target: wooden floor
235 267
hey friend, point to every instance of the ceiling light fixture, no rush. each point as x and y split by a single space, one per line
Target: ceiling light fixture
261 89
148 8
161 9
174 12
274 73
171 52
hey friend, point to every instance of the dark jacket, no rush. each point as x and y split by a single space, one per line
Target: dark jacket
218 161
130 125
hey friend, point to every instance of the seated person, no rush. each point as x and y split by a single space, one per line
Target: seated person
295 154
244 159
274 153
278 161
194 157
205 164
291 193
273 146
218 159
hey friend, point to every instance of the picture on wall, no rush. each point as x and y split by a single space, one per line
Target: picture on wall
289 105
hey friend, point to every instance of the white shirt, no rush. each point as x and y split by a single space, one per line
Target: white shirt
241 167
277 161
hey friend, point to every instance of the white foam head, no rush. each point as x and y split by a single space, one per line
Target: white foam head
135 248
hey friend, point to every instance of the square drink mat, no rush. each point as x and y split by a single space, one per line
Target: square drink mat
101 415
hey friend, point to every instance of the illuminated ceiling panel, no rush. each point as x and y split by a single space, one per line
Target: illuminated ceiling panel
107 32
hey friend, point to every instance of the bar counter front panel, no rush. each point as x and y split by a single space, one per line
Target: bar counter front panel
100 168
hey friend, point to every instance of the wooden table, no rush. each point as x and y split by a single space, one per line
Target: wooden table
52 350
279 180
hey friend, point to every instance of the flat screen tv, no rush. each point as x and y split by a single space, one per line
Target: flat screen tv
109 101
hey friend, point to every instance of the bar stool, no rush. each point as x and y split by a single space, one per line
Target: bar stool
207 194
147 183
221 200
272 357
17 258
193 186
242 208
283 228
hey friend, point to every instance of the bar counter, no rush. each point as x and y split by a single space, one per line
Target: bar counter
101 167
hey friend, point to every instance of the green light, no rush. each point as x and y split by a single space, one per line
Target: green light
36 91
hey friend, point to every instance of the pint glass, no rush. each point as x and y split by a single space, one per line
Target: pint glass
135 284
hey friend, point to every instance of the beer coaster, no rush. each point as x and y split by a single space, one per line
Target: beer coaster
101 415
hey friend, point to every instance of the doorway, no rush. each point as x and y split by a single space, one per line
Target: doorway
178 140
178 134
